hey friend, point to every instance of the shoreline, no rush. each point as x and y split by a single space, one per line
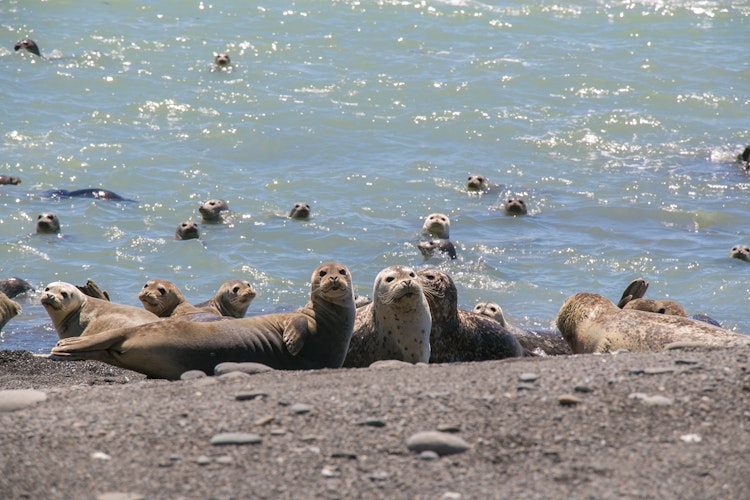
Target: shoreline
669 424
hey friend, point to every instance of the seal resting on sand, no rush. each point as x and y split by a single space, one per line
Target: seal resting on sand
395 325
9 309
459 335
592 323
74 314
231 299
314 336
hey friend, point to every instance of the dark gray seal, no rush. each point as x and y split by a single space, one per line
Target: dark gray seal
187 230
213 210
10 179
95 193
300 210
47 223
314 336
29 45
440 246
459 335
13 287
515 206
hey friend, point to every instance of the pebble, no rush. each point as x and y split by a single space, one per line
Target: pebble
528 377
344 454
583 388
525 387
203 460
428 455
118 495
18 399
99 455
441 443
657 370
235 438
568 400
264 420
232 376
651 400
378 476
249 367
372 422
300 408
449 428
691 438
193 374
390 363
686 361
244 396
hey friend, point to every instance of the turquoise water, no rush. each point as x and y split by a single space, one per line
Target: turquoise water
617 122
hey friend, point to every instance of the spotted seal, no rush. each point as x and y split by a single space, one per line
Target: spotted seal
314 336
74 314
437 225
441 246
212 210
460 335
47 223
741 252
515 206
221 59
477 183
187 230
300 211
592 323
95 193
29 45
231 299
396 324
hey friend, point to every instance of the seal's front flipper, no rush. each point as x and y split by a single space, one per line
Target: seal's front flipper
294 335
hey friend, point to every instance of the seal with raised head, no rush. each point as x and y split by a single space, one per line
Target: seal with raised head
592 323
741 252
10 179
164 299
300 210
515 206
477 182
460 335
187 230
537 342
9 309
314 336
73 313
231 299
29 45
221 59
47 223
395 325
437 225
212 210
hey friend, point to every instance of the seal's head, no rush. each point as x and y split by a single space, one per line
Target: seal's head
437 225
160 297
300 210
476 182
669 307
28 44
332 283
212 210
186 230
515 206
491 310
741 252
61 300
47 223
222 59
234 297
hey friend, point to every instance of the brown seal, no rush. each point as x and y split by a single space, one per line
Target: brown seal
164 298
515 206
437 225
592 323
231 299
221 59
741 252
47 223
661 306
395 325
187 230
212 210
29 45
537 342
460 335
73 313
477 182
9 309
9 179
300 211
314 336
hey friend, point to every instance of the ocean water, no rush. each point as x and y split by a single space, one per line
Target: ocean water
617 122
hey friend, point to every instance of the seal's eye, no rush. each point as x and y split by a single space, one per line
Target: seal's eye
236 290
389 279
493 309
322 273
162 290
412 275
64 295
430 277
342 272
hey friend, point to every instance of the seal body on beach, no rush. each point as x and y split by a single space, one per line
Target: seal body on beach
442 246
212 210
187 230
75 314
47 223
314 336
164 299
9 179
460 335
539 343
14 286
9 309
29 45
437 225
396 324
300 210
231 299
592 323
660 306
741 252
515 206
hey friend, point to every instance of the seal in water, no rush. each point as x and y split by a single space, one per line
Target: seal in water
13 287
741 252
300 210
459 335
395 325
314 336
477 182
75 314
437 225
515 206
28 44
222 59
47 223
212 210
187 230
96 193
231 299
9 179
442 246
592 323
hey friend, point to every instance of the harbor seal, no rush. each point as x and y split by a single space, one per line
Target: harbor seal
741 252
592 323
164 299
661 306
212 210
47 223
442 246
744 157
477 182
221 59
75 314
231 299
314 336
10 179
29 45
9 309
13 287
536 342
395 325
437 225
187 230
460 335
515 206
300 211
96 193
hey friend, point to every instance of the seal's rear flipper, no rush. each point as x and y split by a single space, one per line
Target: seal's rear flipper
635 290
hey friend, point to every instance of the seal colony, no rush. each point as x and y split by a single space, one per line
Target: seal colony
313 336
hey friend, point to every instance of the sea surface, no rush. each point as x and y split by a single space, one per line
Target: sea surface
618 122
